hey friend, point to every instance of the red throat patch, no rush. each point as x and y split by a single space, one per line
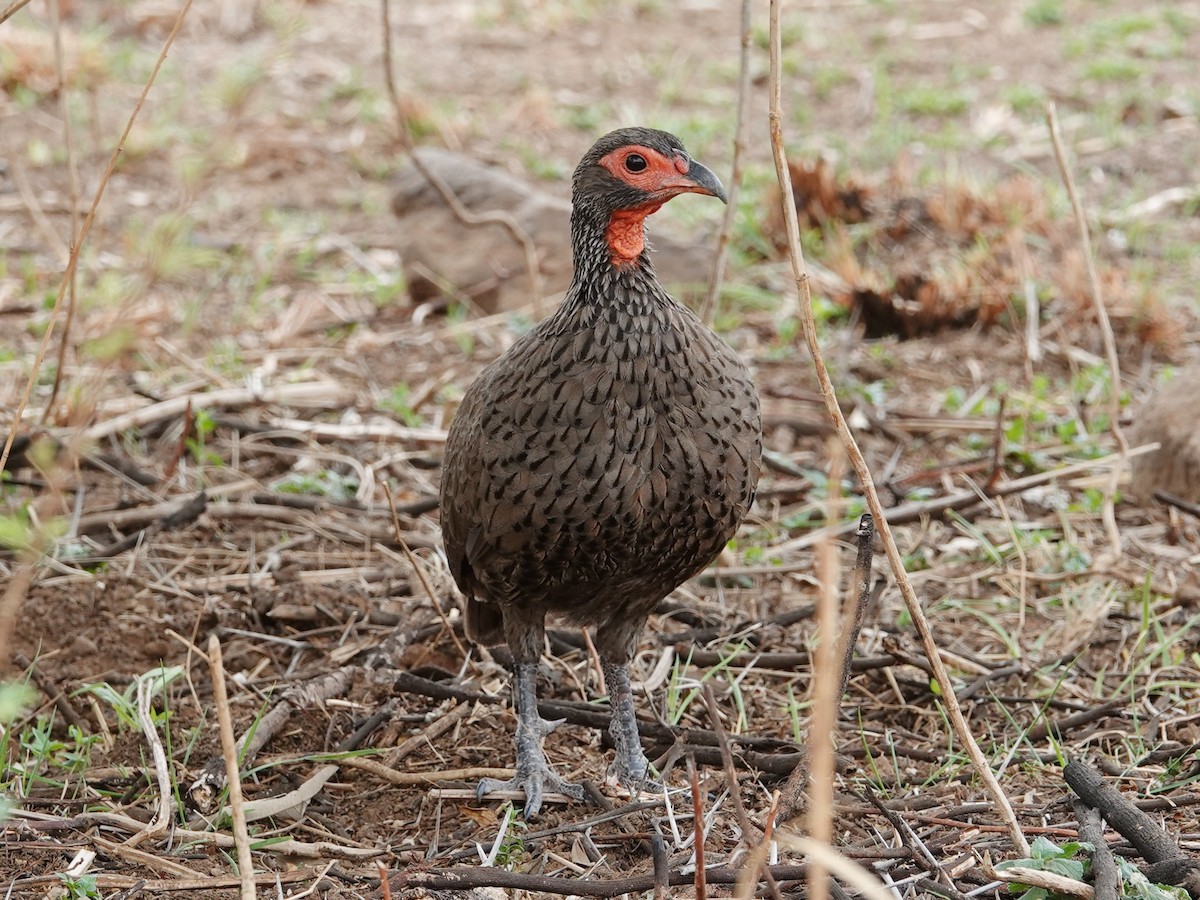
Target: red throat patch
626 233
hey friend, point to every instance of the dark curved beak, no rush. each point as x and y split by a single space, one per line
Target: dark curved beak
705 181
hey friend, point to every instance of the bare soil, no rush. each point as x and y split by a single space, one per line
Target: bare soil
245 241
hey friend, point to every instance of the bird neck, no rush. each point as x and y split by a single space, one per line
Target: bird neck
625 234
612 260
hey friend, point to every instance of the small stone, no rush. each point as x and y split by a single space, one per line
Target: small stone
83 646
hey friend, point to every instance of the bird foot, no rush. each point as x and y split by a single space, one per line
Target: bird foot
630 766
630 769
535 778
534 775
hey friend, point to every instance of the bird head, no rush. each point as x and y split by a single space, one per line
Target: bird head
629 174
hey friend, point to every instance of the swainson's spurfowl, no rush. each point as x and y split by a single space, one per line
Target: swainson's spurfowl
602 461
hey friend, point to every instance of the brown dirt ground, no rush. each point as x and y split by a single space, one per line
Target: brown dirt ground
246 236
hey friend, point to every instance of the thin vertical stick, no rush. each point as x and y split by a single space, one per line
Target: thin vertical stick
389 77
662 867
1106 332
73 262
385 886
73 182
854 612
697 828
953 710
826 680
750 832
420 572
858 595
735 176
241 835
162 769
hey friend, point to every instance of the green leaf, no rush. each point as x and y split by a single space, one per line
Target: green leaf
15 696
16 533
1069 868
1042 848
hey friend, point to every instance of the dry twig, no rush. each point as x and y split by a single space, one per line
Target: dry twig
751 833
954 712
697 827
233 775
303 393
213 777
1050 881
1155 845
73 261
1104 866
392 776
854 613
838 864
290 805
322 850
1106 332
827 678
12 8
919 509
162 814
735 176
477 876
73 183
419 571
137 886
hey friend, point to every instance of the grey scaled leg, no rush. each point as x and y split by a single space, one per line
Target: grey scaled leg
630 766
534 775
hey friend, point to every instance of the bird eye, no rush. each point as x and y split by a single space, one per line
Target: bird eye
635 162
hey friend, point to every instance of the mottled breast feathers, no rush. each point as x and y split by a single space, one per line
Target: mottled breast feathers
602 461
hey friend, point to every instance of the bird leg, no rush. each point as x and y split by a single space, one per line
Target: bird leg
630 765
534 775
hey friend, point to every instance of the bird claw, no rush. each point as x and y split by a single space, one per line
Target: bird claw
545 726
631 770
535 778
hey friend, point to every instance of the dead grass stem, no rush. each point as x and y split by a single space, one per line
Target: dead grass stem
826 682
233 773
73 186
73 260
796 255
709 310
12 8
1106 331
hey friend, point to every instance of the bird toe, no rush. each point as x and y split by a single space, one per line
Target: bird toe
535 781
632 772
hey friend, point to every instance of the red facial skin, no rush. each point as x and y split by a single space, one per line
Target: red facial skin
663 178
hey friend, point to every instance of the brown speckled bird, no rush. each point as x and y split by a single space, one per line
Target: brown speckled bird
602 461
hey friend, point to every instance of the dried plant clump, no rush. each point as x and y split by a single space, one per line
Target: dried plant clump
1136 310
821 197
27 61
958 256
